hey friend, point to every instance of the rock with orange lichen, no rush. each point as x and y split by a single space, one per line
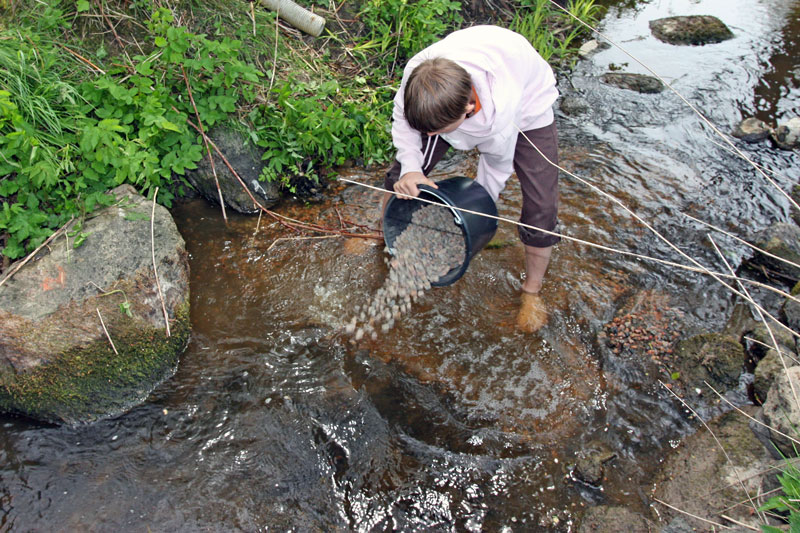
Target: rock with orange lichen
58 312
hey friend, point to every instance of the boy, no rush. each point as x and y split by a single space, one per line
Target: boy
479 87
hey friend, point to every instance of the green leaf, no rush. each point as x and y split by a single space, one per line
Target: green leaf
161 42
675 375
83 5
79 240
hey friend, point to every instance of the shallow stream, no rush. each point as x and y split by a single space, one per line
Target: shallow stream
454 420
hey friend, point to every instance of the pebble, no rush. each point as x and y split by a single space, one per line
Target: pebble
426 250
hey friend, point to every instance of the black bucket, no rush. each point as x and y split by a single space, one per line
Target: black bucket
459 192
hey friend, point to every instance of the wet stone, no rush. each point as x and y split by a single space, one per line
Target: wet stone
427 249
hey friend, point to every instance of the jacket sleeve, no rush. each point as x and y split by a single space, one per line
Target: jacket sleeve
495 165
406 139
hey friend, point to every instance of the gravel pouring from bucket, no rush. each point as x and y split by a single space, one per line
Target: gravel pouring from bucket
461 192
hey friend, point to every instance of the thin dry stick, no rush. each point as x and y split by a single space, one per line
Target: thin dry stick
155 271
738 523
760 496
692 515
721 447
253 15
691 106
757 249
762 167
114 31
76 54
301 239
790 356
769 329
724 399
274 54
31 255
205 141
106 331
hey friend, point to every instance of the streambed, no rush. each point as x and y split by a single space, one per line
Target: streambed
453 420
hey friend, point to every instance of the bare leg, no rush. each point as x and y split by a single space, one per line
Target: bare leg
532 311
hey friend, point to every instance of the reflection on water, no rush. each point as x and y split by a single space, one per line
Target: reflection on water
454 420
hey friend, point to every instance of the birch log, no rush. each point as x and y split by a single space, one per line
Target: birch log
297 16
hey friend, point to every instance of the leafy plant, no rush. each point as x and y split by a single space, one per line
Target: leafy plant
550 30
64 146
402 28
309 127
787 502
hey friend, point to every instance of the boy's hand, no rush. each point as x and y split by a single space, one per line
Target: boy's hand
409 181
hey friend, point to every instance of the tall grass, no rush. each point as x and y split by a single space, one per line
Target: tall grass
555 35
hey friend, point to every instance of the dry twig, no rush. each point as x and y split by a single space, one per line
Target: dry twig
155 270
205 142
106 331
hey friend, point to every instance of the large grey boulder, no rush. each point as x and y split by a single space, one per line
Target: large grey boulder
246 160
752 130
787 135
56 360
691 30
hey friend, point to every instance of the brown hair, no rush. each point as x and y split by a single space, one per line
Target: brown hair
436 95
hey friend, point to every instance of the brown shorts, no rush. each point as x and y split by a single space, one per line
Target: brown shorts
538 179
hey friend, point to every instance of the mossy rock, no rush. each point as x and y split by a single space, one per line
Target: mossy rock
690 30
715 358
82 330
95 381
641 83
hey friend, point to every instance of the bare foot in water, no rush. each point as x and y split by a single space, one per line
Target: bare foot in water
532 313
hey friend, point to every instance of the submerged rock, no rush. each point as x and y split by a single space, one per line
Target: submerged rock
56 360
787 135
641 83
715 358
698 477
590 466
752 130
690 30
247 162
608 518
573 105
783 241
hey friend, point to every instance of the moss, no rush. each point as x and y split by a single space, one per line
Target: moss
90 382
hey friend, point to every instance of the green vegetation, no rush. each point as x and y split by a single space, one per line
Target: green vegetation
787 503
84 108
558 44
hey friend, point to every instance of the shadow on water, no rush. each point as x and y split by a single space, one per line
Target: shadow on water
454 420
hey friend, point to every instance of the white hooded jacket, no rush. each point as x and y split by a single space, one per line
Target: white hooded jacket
516 89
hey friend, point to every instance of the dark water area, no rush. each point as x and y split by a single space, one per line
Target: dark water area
454 420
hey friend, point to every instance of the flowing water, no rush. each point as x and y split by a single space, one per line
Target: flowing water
453 420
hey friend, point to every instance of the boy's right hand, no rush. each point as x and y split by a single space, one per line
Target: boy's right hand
408 182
